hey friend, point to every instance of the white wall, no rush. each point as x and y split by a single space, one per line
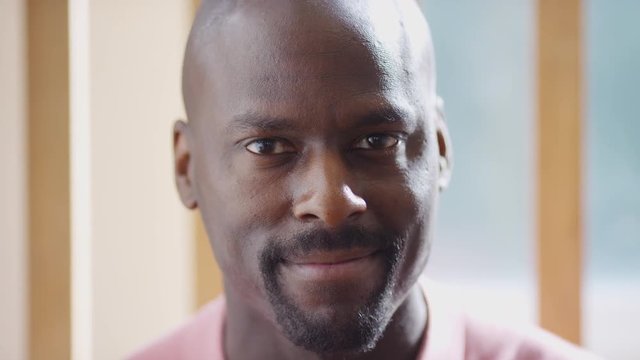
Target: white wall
142 236
12 175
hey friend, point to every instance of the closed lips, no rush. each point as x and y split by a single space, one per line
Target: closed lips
331 257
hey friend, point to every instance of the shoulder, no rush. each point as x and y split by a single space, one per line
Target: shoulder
489 340
453 333
199 337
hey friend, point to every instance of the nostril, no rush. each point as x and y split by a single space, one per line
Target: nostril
309 217
355 214
333 205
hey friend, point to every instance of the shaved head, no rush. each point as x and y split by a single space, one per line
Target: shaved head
315 151
393 33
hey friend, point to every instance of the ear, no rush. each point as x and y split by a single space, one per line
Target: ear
445 151
183 165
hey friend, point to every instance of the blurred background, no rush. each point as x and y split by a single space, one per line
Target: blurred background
541 222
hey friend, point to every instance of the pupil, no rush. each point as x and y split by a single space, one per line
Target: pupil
265 146
376 141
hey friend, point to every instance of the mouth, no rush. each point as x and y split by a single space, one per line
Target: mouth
327 258
339 265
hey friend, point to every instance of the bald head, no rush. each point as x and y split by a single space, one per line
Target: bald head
233 41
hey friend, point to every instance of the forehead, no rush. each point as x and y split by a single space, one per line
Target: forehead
305 56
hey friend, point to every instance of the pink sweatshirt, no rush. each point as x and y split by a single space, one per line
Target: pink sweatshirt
452 335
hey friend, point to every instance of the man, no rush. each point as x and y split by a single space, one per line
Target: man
315 150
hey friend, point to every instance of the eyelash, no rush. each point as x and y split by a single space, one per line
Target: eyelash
273 142
395 138
279 143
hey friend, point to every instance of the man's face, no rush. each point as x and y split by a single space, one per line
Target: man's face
313 157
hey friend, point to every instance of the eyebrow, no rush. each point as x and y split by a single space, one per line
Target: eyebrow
251 120
383 115
380 116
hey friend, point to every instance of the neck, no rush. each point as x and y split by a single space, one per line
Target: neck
249 334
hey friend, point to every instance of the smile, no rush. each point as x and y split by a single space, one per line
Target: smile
334 265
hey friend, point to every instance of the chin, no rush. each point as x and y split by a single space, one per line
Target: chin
331 299
333 317
338 328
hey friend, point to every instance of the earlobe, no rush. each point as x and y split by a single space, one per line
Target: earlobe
445 150
182 165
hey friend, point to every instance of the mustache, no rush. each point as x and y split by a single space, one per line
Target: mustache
350 237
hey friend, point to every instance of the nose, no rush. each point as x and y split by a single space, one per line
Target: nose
325 195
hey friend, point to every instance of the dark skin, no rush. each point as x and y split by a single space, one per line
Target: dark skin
314 117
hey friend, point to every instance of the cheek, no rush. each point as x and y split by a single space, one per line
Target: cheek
424 191
239 212
405 199
406 204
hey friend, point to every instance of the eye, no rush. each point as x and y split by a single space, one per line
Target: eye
377 142
269 146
